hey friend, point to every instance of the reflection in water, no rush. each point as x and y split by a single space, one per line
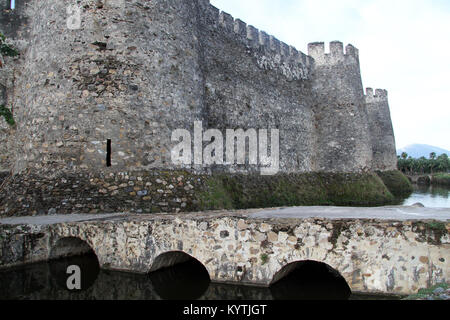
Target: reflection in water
311 281
187 281
88 265
430 196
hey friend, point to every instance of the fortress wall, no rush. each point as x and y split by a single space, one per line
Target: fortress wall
5 161
381 130
12 26
255 81
340 110
130 74
5 128
4 150
137 70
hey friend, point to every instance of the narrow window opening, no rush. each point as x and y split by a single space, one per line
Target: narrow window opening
13 4
108 153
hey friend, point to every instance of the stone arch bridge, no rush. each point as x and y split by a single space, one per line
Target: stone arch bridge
388 251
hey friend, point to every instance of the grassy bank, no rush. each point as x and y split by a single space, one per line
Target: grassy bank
243 191
397 183
441 179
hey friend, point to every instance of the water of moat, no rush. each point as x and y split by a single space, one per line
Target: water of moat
430 196
188 281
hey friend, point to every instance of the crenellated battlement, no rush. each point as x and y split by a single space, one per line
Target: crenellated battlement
378 94
275 53
336 53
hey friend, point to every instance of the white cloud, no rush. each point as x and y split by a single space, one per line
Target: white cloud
404 48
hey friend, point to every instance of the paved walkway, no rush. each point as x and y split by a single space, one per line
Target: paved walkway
398 213
382 213
54 219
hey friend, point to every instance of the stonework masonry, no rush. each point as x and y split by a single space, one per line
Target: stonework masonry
137 70
382 132
373 255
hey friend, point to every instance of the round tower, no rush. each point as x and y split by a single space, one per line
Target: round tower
99 89
104 72
381 130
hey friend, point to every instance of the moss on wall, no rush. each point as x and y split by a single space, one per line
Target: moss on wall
183 191
242 192
397 183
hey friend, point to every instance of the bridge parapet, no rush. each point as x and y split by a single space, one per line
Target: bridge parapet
373 255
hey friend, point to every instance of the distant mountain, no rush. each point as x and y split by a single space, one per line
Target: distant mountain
422 150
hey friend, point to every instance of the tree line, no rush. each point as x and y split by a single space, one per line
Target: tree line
422 165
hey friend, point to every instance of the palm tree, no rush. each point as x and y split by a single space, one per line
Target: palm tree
443 163
432 161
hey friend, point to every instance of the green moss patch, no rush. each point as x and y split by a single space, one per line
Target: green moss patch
264 258
6 113
397 183
254 191
215 196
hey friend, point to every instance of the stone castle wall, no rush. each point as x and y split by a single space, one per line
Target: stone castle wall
254 81
138 70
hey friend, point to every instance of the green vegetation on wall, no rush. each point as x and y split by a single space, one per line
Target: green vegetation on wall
6 113
397 183
253 191
7 51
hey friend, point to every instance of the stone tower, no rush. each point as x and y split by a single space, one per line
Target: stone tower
381 130
340 110
130 75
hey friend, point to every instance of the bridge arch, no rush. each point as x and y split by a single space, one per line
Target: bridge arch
309 279
67 252
169 259
65 247
176 275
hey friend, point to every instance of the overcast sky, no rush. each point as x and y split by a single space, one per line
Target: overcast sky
404 48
